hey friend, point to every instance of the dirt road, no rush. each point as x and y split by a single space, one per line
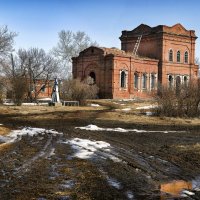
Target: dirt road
97 153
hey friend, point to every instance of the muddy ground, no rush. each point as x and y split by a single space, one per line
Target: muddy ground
147 157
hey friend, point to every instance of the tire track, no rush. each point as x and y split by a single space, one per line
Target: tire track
42 153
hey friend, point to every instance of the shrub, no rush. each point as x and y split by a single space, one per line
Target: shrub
19 88
77 90
181 102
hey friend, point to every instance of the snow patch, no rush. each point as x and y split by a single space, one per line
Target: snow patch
34 104
114 183
17 134
126 100
146 107
8 104
149 113
130 195
87 149
196 184
3 139
94 105
52 152
188 192
45 99
68 184
92 127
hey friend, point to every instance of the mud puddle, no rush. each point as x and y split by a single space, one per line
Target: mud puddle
178 189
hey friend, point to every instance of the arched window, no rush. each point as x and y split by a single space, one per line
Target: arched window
43 88
144 81
170 81
186 57
178 56
123 79
170 55
136 80
153 81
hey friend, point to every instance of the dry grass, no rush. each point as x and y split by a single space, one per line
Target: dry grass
108 111
4 130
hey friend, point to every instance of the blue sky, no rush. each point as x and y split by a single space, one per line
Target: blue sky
38 21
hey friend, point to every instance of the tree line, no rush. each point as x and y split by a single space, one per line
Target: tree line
20 70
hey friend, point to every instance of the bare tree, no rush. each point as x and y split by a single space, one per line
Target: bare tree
6 40
185 103
6 47
70 45
36 65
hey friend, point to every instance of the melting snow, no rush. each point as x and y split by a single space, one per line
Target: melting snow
3 138
126 100
34 104
196 183
87 149
92 127
146 107
130 195
52 152
17 134
149 113
45 99
188 192
94 105
8 104
68 184
113 182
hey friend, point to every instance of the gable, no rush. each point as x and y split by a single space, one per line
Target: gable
179 30
142 28
90 51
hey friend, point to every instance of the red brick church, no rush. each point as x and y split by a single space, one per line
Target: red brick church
149 56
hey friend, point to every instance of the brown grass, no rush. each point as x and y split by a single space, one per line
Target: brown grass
108 111
4 130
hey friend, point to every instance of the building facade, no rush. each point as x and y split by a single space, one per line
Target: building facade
149 56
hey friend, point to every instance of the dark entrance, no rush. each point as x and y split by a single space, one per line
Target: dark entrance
93 78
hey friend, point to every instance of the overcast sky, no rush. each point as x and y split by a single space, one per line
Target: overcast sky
38 22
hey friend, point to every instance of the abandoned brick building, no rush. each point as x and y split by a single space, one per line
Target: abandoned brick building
149 56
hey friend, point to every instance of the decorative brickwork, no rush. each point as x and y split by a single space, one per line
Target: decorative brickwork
165 56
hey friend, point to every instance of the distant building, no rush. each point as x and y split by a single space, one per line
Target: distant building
43 90
150 56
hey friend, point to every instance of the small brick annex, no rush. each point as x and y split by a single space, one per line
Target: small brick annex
166 56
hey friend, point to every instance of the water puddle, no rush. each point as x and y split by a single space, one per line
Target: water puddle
179 188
